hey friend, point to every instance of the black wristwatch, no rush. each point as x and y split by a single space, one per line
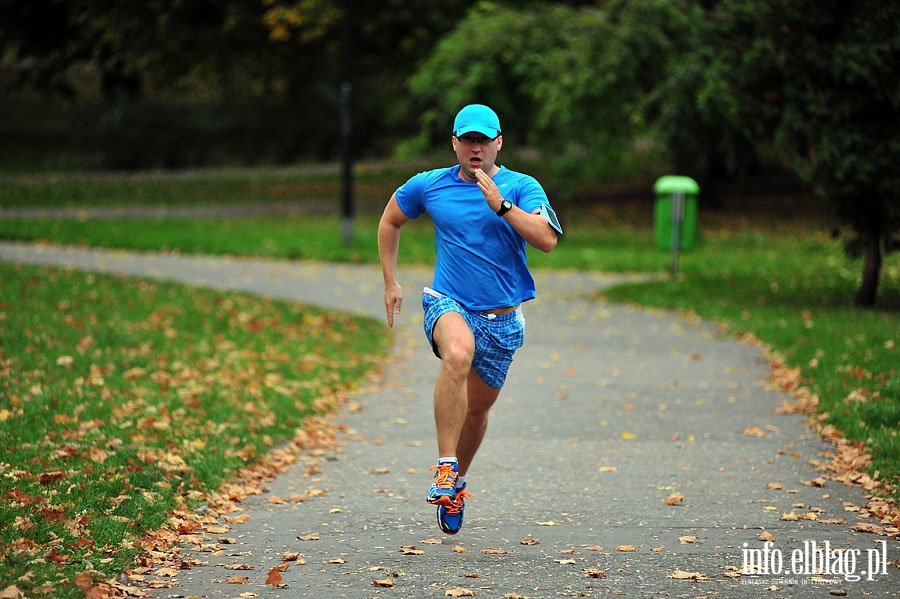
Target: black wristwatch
505 206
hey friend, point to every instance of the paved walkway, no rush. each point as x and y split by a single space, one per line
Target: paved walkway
608 412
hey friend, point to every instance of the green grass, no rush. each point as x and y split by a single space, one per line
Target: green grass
769 269
122 398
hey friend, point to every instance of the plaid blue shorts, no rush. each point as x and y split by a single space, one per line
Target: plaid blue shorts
496 337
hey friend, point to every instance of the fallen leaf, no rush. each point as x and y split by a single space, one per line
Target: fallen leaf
274 578
549 523
529 541
237 519
12 592
766 536
594 572
685 539
868 527
471 575
494 551
774 486
753 431
790 517
626 548
385 582
313 536
411 550
217 530
683 575
458 549
460 592
237 579
595 548
238 567
566 562
674 499
337 560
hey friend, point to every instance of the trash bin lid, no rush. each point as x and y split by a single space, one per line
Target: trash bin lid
674 183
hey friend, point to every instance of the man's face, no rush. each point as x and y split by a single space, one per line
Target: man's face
476 151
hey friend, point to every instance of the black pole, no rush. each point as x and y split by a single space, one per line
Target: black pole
347 209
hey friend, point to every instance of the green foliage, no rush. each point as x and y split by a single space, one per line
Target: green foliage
556 75
818 80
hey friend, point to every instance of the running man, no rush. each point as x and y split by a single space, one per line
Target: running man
484 216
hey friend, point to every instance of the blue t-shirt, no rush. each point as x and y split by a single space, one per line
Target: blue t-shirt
481 260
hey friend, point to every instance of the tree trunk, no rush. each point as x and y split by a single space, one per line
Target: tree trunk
868 287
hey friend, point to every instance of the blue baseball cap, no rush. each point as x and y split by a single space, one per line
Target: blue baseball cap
477 117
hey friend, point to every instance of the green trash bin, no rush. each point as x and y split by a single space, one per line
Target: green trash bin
675 209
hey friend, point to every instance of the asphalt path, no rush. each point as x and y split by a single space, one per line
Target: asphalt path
609 415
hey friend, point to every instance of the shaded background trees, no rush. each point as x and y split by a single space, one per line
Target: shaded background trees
714 89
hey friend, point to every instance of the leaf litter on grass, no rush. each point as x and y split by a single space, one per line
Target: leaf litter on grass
129 400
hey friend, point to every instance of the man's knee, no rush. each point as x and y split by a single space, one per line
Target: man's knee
457 353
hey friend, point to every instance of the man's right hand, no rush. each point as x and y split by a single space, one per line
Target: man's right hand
393 299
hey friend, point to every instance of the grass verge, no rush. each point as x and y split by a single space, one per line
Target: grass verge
124 399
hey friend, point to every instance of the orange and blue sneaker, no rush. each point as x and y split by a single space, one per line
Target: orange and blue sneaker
443 485
450 518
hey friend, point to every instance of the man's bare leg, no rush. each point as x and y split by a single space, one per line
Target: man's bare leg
481 397
456 346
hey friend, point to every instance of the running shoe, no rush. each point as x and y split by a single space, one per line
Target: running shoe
450 519
443 485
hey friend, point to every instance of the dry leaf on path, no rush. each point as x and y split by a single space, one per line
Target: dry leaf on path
274 578
674 499
691 576
685 539
766 536
494 551
529 541
385 582
626 548
237 579
753 431
313 536
594 573
237 519
460 592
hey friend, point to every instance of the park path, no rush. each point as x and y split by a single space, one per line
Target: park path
607 413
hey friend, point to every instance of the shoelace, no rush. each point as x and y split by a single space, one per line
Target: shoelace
461 496
446 478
